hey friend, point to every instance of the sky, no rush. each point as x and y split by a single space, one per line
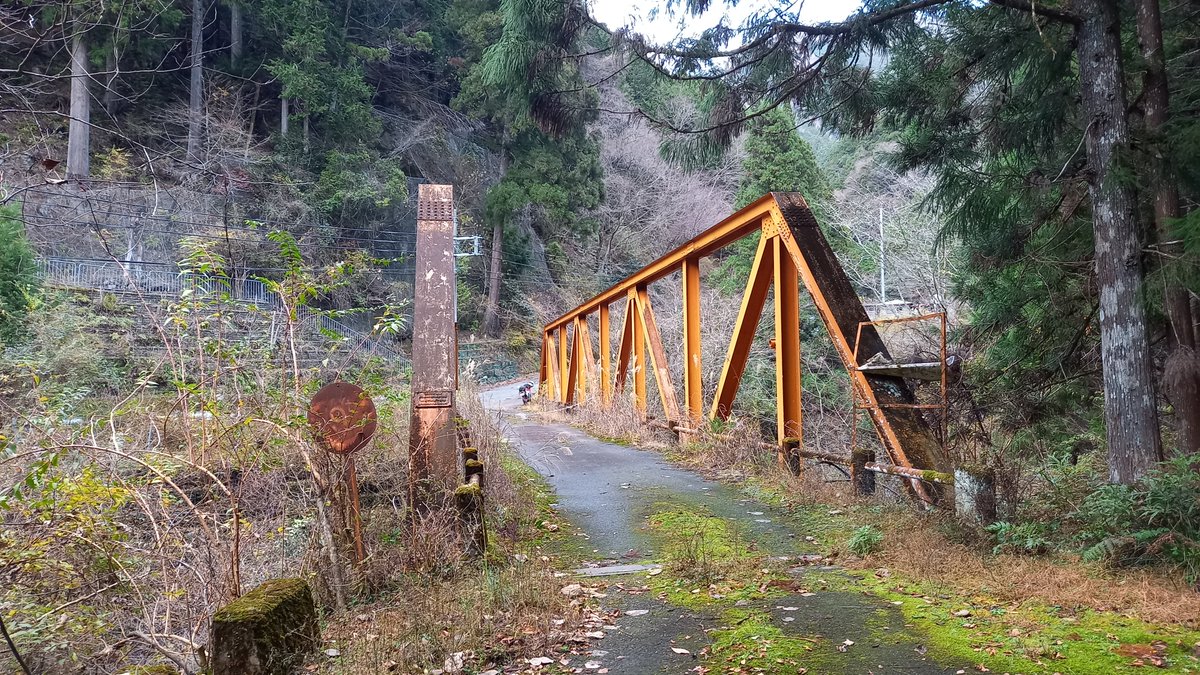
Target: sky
635 13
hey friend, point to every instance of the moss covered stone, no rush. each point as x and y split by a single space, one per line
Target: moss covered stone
270 630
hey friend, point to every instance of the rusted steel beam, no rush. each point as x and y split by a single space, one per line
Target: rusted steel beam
753 300
693 390
905 435
658 356
928 476
787 346
606 384
433 452
930 371
736 226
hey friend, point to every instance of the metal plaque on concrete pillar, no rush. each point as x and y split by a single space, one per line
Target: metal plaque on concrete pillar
433 455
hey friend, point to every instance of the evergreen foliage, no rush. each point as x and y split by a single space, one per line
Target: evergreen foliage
552 175
779 160
18 274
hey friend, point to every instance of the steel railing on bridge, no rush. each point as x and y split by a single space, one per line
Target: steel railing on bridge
791 250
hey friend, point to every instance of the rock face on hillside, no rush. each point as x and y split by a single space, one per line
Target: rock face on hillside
268 631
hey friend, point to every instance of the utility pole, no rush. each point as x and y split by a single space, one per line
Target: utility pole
433 452
882 273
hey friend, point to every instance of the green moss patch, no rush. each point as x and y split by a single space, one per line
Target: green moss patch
752 643
1031 637
706 561
268 630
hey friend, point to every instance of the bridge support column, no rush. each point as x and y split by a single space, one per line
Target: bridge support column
605 357
693 391
563 364
787 354
588 363
638 345
550 352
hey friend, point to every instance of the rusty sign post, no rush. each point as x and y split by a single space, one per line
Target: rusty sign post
344 418
432 450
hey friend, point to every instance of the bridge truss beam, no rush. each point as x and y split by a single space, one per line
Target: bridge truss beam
791 250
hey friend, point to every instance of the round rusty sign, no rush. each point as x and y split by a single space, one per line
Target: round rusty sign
343 417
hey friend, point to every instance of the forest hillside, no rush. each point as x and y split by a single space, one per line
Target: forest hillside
208 211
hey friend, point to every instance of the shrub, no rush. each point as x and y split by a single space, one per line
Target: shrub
18 275
1024 538
865 541
1156 521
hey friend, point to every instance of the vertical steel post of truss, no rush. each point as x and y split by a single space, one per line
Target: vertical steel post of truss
693 393
788 390
563 364
544 368
605 357
550 358
589 357
579 359
433 453
638 346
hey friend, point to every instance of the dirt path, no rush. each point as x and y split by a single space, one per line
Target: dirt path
609 491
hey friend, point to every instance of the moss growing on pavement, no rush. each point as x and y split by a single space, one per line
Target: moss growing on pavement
1029 637
753 644
706 561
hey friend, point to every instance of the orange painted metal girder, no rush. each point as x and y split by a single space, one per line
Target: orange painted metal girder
791 231
713 239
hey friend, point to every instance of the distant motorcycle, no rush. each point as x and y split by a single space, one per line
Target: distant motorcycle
526 392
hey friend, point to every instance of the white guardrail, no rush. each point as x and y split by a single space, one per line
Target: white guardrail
164 280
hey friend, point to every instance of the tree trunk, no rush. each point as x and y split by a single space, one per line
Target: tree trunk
196 98
491 315
79 130
1181 377
284 115
110 78
1130 410
235 32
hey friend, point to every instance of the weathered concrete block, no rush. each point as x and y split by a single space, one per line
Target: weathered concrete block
268 631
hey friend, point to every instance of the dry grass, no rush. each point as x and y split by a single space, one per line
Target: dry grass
915 549
438 610
496 616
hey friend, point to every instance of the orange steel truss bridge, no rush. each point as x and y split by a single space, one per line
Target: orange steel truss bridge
791 249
